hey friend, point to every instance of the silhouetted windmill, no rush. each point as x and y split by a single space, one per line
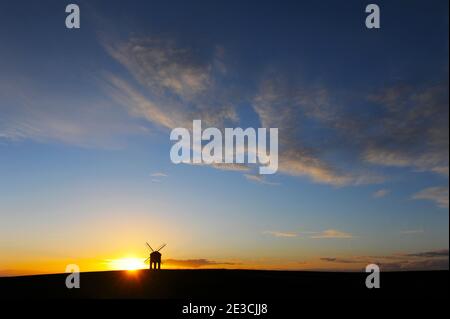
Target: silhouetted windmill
155 257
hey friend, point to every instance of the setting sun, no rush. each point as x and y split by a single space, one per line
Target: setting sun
130 263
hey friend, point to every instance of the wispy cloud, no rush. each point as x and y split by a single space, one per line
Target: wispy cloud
231 167
281 234
329 233
431 254
275 108
332 233
30 111
421 141
159 174
259 179
428 260
175 85
380 193
438 195
138 105
412 231
340 260
195 263
163 65
280 105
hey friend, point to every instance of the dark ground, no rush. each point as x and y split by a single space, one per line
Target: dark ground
227 285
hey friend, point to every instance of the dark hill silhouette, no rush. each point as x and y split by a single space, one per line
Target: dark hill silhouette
227 284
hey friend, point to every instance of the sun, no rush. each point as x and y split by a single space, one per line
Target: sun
129 263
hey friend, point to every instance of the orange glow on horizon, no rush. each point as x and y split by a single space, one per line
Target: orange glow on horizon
128 263
132 264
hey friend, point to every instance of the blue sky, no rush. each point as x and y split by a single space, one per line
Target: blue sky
362 117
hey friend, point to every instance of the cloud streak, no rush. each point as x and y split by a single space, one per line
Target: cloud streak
332 234
195 263
438 195
29 111
290 108
174 85
159 174
281 234
259 179
326 234
428 260
408 128
412 231
414 128
380 193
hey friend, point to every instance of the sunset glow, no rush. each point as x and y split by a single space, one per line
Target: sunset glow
360 119
129 263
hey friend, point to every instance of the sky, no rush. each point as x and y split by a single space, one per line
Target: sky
86 114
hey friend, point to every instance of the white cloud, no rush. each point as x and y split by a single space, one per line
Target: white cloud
139 105
412 231
438 195
278 107
281 234
161 64
174 85
430 161
231 167
30 111
159 174
381 193
259 179
415 129
332 233
423 260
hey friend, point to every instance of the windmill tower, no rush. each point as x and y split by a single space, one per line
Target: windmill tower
155 257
